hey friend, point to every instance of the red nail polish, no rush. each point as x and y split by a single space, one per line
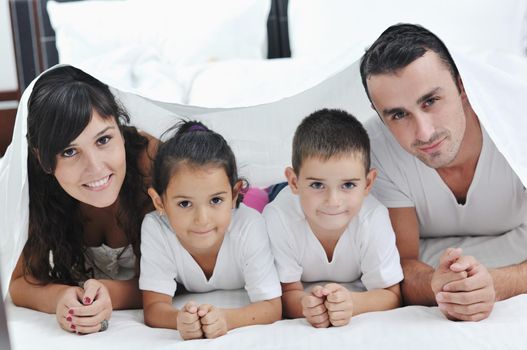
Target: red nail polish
68 319
73 326
87 300
70 311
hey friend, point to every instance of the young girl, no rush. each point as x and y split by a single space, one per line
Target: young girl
202 238
87 198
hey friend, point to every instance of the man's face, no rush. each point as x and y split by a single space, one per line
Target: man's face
422 107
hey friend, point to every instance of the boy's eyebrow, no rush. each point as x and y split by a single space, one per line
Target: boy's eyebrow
349 180
314 179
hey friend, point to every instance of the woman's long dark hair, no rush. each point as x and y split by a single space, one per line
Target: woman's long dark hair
59 109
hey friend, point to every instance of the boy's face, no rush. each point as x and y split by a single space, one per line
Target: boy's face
331 192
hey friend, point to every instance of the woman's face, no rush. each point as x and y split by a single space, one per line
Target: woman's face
92 167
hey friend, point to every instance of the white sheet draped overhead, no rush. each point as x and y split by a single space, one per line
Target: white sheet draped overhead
261 135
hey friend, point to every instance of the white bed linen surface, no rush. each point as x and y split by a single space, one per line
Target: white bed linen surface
412 327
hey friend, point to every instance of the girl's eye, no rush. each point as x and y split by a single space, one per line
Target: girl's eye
348 185
103 140
316 185
185 204
216 201
69 152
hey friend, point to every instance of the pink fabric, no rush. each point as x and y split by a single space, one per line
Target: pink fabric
255 198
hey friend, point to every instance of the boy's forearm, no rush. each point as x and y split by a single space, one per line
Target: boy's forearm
376 300
161 315
417 284
510 281
292 303
124 294
262 312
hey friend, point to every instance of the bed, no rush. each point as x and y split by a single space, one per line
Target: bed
259 94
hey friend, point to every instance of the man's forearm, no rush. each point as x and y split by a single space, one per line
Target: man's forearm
510 281
416 286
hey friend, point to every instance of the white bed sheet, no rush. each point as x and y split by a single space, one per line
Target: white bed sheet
412 327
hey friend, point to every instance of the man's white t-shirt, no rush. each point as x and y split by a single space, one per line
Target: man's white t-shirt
496 200
244 259
366 250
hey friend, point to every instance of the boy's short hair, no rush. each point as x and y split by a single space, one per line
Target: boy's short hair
400 45
328 133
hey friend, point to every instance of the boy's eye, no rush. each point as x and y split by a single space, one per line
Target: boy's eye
69 152
185 204
103 140
348 185
316 185
216 201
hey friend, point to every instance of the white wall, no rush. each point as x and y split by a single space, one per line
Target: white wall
8 78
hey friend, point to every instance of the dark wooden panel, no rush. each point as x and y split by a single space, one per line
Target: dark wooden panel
7 123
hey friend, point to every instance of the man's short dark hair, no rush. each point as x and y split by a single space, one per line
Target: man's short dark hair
400 45
330 133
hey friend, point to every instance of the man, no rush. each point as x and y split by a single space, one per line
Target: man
440 174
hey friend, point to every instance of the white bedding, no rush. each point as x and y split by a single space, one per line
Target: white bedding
412 327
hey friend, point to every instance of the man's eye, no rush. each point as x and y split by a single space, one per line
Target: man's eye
398 115
103 140
69 152
316 185
348 185
185 204
430 101
216 201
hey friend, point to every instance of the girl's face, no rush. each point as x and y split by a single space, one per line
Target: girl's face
198 203
92 167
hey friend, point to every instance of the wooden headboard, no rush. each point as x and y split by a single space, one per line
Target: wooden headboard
34 38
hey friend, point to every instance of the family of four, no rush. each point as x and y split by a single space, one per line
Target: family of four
119 220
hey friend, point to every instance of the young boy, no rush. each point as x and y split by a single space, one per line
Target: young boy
325 227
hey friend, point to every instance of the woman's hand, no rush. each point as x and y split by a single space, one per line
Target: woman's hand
70 299
96 307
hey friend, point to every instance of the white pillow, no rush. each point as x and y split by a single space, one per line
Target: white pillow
325 27
181 31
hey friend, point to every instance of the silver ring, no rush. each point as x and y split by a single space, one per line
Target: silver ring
104 325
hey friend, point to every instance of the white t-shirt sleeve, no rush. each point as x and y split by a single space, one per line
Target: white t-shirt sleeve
261 279
283 245
380 263
158 269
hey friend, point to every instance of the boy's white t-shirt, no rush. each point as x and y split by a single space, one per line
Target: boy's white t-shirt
244 259
496 201
366 250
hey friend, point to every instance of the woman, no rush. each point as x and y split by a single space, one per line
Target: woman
87 198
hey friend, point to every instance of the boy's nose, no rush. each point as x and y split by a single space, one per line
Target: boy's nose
333 198
201 215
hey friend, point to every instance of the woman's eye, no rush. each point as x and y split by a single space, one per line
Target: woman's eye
103 140
69 152
348 185
185 204
216 201
316 185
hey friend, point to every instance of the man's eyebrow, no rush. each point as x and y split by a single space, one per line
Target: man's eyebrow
386 112
428 95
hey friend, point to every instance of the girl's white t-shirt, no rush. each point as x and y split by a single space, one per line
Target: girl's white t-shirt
366 250
244 259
